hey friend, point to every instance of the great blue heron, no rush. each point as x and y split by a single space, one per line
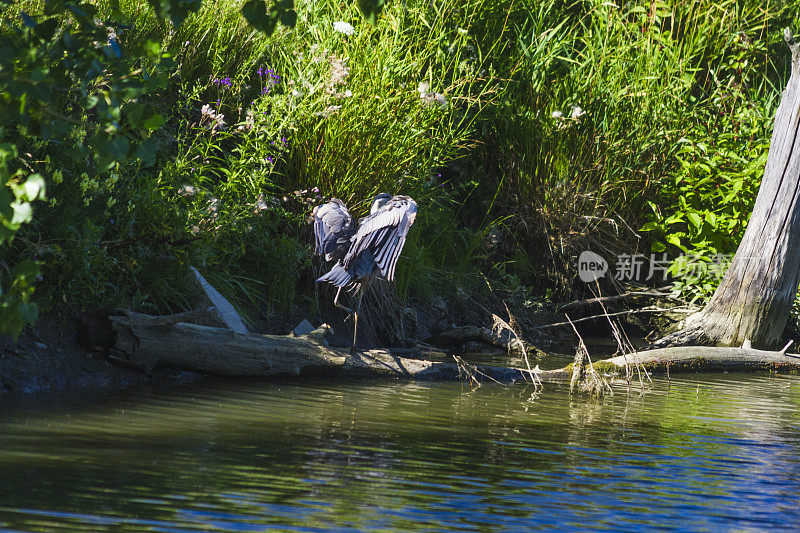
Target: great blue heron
371 248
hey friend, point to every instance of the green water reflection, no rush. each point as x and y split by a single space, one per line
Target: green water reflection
715 451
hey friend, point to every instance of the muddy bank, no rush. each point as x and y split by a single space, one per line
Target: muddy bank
48 357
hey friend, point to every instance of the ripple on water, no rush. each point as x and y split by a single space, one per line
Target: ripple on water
712 451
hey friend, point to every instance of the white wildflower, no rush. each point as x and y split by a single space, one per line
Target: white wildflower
557 114
343 27
249 121
211 119
261 203
339 73
187 191
328 111
219 122
315 57
577 112
431 98
296 93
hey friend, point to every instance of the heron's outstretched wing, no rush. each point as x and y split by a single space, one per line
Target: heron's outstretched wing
333 227
384 234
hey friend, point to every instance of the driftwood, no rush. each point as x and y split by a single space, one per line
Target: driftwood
579 304
459 335
147 342
222 308
706 359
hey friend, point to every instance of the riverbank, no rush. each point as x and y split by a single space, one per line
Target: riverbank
49 358
66 352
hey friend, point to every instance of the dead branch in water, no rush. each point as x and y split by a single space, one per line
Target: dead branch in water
678 309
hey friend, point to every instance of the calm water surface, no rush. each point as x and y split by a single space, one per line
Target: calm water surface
707 452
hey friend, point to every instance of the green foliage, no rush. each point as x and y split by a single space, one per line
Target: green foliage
371 9
527 132
701 209
256 13
174 10
63 82
603 92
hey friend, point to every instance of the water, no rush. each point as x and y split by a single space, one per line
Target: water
706 452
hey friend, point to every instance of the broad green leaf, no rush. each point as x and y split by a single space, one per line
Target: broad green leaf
29 311
175 10
649 226
289 18
11 320
34 187
370 9
154 122
255 13
6 200
119 147
695 219
23 213
47 29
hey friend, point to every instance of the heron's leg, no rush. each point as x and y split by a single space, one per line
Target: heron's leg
337 304
350 311
355 319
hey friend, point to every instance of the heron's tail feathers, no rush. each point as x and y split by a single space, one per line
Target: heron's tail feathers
340 277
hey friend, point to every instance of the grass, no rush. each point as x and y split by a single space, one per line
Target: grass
508 190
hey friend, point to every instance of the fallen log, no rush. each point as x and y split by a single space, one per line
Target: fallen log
146 342
705 359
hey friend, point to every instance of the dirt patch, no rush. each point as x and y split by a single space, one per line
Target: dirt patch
49 358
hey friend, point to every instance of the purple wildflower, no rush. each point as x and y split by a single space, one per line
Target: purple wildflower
269 158
269 79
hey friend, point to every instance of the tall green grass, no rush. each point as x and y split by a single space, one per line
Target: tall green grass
506 187
645 75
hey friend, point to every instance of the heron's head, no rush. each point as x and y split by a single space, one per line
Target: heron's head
378 202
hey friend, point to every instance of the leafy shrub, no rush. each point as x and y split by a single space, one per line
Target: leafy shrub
703 206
